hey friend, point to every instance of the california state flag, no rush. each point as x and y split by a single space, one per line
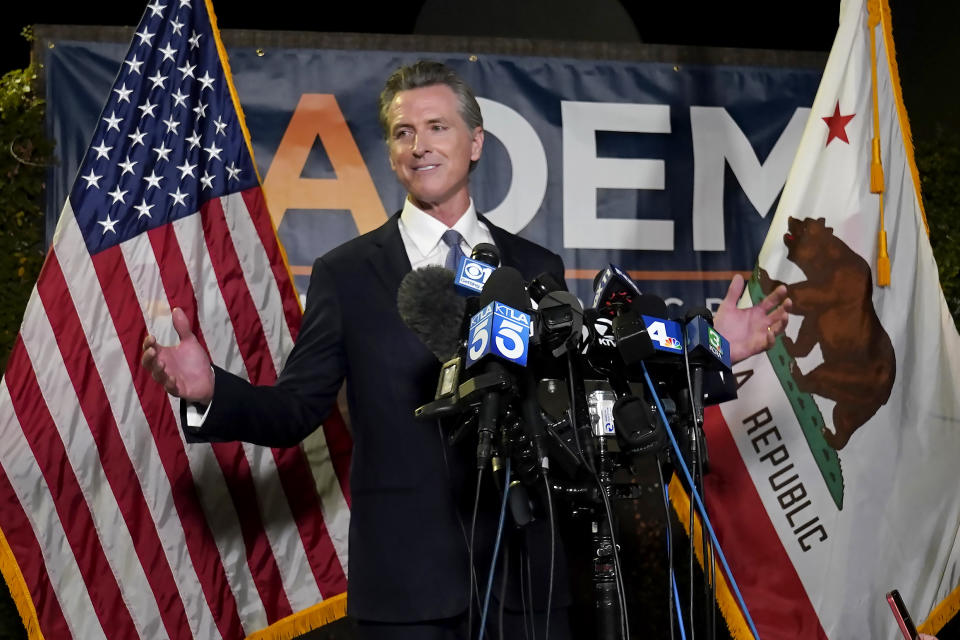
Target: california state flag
836 474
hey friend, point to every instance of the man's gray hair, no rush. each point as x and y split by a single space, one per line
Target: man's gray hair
428 73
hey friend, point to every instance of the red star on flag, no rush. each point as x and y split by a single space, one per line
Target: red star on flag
836 123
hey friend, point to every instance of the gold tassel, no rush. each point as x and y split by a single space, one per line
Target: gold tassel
883 261
330 610
876 169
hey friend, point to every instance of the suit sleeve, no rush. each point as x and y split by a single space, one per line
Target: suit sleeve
284 414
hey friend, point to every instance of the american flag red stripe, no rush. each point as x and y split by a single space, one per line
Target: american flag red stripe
121 529
291 465
340 444
116 465
123 303
68 500
81 274
243 314
23 542
257 206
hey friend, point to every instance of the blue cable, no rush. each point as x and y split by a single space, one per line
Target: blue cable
703 511
496 550
676 602
673 577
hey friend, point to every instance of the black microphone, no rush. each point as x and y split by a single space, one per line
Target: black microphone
486 253
491 342
430 307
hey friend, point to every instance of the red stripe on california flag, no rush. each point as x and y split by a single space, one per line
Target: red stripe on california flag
23 543
292 466
122 303
71 507
769 583
257 206
116 465
231 458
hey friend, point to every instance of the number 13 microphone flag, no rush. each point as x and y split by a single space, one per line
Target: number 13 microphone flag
834 475
112 526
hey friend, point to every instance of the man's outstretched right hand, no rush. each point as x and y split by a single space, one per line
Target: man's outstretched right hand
183 370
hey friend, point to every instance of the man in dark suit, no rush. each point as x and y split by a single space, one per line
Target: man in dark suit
409 574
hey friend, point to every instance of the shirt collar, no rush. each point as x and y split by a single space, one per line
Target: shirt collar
425 231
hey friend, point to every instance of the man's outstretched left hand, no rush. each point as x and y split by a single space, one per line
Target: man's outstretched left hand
753 329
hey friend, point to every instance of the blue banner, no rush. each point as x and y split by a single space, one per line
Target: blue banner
670 171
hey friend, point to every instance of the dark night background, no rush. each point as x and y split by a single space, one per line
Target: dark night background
924 31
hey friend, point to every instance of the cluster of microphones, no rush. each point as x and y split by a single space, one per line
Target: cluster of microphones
502 341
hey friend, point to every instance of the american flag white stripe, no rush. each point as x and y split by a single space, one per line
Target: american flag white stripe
211 485
212 315
113 535
281 530
61 485
336 512
87 295
31 490
212 497
299 582
256 269
212 312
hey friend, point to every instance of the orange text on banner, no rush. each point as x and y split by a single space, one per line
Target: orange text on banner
319 115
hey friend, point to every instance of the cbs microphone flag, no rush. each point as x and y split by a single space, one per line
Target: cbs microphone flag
112 526
833 476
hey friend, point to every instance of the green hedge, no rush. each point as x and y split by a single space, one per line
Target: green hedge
24 154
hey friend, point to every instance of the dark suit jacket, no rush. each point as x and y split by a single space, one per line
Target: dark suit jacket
408 553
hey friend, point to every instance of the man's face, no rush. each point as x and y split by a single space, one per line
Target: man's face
431 147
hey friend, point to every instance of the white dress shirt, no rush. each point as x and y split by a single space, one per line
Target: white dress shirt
422 235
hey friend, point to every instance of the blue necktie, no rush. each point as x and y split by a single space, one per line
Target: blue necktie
452 239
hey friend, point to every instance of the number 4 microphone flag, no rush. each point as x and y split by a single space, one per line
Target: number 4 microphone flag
834 475
112 526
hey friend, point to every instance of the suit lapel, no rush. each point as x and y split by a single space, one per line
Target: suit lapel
389 259
504 242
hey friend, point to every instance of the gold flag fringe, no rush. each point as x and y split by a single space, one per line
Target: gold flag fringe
736 623
330 610
941 614
18 590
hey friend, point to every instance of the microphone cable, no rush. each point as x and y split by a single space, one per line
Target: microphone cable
695 463
553 554
473 588
621 591
670 578
496 550
706 548
473 585
703 511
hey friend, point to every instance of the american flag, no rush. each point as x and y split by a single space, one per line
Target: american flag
116 528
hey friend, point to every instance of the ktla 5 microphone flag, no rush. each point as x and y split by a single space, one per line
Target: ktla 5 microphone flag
112 526
834 474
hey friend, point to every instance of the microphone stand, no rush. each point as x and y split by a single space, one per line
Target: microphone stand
605 595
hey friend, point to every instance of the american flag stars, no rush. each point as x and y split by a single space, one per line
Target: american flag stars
168 139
